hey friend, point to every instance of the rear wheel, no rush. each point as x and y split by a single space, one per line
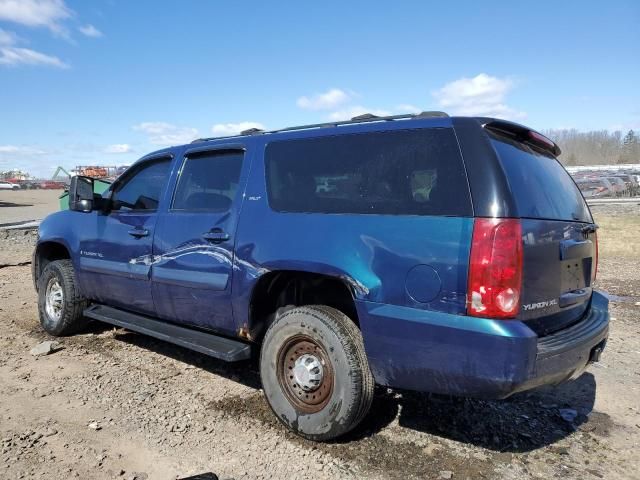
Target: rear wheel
60 306
315 372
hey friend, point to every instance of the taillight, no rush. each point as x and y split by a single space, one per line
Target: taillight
495 268
595 267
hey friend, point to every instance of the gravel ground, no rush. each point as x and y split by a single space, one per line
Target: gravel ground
113 404
23 205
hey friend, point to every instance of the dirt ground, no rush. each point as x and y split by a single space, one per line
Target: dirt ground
24 205
113 404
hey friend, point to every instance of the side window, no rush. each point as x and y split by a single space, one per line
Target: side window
399 172
141 189
208 181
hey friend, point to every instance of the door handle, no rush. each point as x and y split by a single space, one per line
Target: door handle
139 232
217 235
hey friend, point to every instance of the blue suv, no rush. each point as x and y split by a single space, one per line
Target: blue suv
424 252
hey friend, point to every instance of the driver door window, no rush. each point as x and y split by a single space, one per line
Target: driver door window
141 190
115 248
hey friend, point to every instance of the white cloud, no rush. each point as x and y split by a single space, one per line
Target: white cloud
118 148
480 95
228 129
14 150
90 31
27 158
11 56
356 110
8 38
166 134
154 128
324 101
37 13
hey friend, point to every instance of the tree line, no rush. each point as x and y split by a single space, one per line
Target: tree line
596 147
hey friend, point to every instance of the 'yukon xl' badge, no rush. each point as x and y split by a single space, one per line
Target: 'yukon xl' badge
536 306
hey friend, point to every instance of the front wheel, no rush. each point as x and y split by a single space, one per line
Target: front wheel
315 373
60 306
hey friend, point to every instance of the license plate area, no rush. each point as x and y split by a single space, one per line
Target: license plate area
575 274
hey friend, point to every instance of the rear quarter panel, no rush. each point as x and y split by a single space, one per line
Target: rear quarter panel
376 255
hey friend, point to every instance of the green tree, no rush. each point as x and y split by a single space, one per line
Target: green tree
630 148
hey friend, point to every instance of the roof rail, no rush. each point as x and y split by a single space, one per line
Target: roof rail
251 131
432 114
364 118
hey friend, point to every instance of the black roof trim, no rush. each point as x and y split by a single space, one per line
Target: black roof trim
364 118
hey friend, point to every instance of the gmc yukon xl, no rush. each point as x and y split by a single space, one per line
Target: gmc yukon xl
443 254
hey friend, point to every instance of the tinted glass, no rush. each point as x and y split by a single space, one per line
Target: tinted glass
402 172
541 186
142 188
208 181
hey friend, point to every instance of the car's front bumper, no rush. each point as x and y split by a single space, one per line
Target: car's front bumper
468 356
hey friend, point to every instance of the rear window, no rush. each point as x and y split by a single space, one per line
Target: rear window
541 186
402 172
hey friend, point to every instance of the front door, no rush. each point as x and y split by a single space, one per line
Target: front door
193 244
116 246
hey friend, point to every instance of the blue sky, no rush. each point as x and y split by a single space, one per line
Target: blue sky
108 81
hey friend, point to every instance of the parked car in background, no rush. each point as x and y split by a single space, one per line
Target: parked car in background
9 186
621 182
52 185
631 186
595 187
29 185
619 187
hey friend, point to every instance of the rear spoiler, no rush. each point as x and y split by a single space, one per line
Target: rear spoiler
522 134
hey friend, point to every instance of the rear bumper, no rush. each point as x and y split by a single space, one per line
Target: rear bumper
466 356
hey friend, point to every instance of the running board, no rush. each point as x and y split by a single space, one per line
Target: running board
208 343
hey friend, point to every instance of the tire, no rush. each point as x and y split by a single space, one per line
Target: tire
60 306
315 339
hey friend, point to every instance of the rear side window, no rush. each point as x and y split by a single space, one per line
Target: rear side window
402 172
541 186
208 181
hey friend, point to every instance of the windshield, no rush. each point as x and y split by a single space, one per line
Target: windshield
540 185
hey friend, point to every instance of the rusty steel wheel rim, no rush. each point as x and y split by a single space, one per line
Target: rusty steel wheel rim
305 374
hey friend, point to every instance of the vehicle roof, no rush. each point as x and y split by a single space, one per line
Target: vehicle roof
360 124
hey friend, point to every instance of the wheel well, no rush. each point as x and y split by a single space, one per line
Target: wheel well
287 288
48 252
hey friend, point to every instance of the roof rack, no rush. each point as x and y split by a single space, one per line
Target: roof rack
364 118
251 131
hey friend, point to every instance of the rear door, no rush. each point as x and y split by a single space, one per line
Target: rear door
193 246
559 254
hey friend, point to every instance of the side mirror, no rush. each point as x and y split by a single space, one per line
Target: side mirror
81 194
